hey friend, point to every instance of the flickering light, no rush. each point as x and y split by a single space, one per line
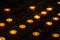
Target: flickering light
30 21
43 13
55 18
49 23
58 2
2 38
55 35
37 17
7 9
49 9
58 14
9 20
32 7
36 33
2 25
13 32
22 26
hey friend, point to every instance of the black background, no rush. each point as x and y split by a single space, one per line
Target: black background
20 12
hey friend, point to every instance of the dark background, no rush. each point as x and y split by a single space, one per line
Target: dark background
20 12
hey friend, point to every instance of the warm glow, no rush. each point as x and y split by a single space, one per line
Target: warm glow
2 38
35 33
22 26
55 35
49 9
9 19
30 21
58 2
37 17
55 18
13 32
49 23
7 9
58 14
43 13
32 7
2 25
